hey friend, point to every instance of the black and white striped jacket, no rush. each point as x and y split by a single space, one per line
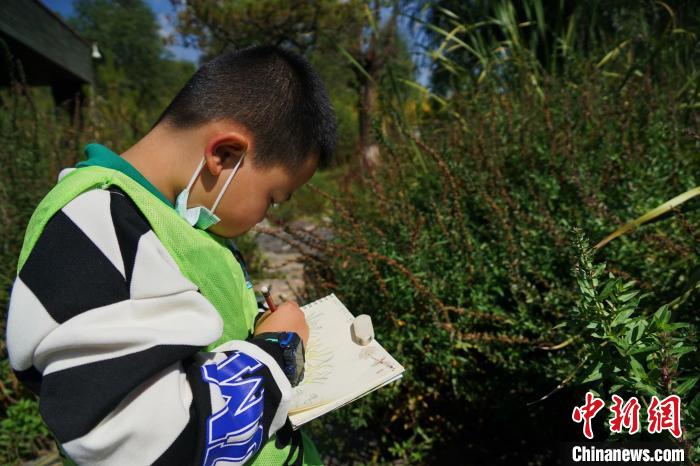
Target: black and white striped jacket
104 327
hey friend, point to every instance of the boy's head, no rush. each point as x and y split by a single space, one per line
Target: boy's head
263 102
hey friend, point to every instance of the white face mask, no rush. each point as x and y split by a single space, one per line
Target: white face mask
201 217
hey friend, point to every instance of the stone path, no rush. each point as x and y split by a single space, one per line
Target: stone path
283 271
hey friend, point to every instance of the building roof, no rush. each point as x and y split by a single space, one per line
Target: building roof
49 49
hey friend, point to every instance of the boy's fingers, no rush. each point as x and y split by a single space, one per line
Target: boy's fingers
292 305
288 306
286 318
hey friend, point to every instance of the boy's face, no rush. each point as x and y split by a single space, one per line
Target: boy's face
251 192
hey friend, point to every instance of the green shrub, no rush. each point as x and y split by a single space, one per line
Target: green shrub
22 432
460 247
629 350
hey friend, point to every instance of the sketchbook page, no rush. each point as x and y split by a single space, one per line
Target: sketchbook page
337 370
335 365
302 417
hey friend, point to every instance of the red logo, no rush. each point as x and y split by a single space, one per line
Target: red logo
661 415
626 415
665 415
587 412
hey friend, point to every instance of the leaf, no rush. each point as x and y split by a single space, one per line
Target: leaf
621 317
594 374
677 326
424 90
645 349
683 350
637 369
621 345
648 216
686 386
648 389
628 285
598 270
636 331
451 36
354 62
663 314
694 407
608 289
627 296
613 53
448 13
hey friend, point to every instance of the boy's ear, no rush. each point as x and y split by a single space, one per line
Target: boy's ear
225 150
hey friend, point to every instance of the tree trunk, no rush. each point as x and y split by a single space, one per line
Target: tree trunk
379 50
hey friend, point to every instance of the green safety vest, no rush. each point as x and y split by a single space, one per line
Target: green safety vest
202 257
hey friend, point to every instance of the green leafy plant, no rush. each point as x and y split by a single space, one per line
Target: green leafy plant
459 245
629 350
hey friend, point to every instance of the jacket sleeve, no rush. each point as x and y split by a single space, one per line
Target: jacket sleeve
103 326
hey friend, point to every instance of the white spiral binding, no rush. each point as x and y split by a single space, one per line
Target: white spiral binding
330 297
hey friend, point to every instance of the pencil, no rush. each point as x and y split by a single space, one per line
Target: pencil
268 299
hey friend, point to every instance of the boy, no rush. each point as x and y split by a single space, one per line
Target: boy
132 316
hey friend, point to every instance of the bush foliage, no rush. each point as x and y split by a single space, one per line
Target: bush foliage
462 247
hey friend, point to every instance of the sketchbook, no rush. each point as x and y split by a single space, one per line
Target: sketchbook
337 370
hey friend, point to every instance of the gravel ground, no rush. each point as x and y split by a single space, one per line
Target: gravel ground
283 265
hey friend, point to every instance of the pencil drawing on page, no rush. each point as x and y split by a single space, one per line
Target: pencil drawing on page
337 370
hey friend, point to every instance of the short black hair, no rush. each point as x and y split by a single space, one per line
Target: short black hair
272 91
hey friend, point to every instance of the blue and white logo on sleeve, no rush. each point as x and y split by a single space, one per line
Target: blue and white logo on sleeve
235 432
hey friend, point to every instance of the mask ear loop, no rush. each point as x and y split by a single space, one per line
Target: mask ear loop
228 181
196 172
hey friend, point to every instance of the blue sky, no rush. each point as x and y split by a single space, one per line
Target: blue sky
164 11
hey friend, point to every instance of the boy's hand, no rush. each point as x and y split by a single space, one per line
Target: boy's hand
287 318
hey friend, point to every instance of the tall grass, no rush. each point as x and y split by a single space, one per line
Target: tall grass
521 41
